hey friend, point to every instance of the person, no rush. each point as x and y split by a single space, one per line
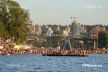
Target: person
1 47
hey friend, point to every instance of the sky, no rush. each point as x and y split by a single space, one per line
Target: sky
60 11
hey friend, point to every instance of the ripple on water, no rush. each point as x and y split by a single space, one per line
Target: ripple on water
37 68
35 63
32 71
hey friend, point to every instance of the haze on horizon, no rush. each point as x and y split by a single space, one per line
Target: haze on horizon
60 11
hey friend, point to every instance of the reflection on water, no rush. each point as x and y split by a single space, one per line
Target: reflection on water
35 63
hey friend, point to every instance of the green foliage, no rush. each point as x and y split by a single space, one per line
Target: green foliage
2 31
103 39
106 35
14 21
53 40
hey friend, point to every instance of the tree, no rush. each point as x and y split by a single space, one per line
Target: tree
2 31
53 41
103 39
14 20
56 39
106 35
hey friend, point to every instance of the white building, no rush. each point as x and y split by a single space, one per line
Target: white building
49 31
66 31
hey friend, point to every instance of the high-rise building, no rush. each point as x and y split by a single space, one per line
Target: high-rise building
75 28
37 29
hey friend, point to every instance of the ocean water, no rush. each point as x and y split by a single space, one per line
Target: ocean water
38 63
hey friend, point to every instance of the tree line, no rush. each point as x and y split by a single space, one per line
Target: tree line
14 21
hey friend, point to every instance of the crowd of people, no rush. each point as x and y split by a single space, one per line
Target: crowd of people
52 51
6 44
12 47
8 47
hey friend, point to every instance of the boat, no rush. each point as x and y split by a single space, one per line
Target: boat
79 55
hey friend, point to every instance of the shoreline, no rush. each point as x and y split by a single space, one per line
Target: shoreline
40 51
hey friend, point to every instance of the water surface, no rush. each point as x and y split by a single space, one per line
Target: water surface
38 63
